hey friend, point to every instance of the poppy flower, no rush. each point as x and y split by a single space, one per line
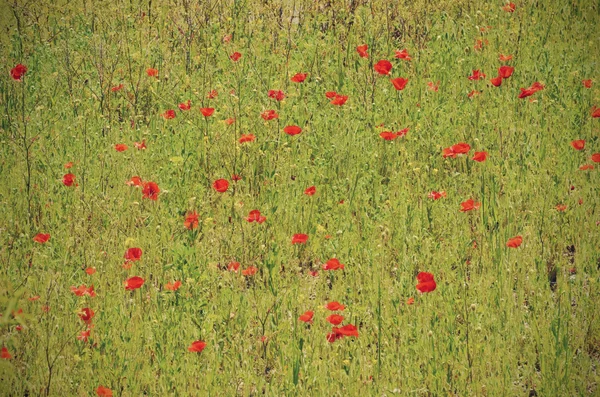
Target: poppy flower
505 71
250 271
69 165
254 216
235 56
83 336
18 72
151 190
247 138
469 205
82 290
117 88
334 306
578 144
476 75
68 179
586 167
504 58
510 7
173 286
197 346
298 77
410 301
212 94
135 181
596 157
454 150
102 391
333 264
90 270
473 93
526 92
433 86
233 266
169 114
561 207
307 317
362 50
330 94
191 221
140 145
4 352
496 81
480 156
335 319
278 95
309 191
269 115
120 147
399 83
347 330
152 72
133 254
587 83
221 185
436 195
339 100
514 242
383 67
426 283
314 273
134 282
595 112
207 112
478 46
403 55
292 130
299 238
41 238
86 314
185 105
388 135
236 177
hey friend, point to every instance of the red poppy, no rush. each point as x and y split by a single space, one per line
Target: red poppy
403 55
151 190
292 130
299 238
207 112
388 135
436 195
433 86
134 282
333 264
504 58
82 290
41 238
120 147
250 271
269 115
347 330
505 71
587 83
212 94
117 88
426 283
330 94
335 319
152 72
133 254
278 95
561 207
586 167
69 165
514 242
5 354
510 7
335 306
362 50
578 144
83 336
90 270
399 83
477 75
469 205
68 179
197 346
185 105
140 145
221 185
18 72
496 81
236 178
86 314
169 114
473 93
255 216
410 301
235 56
135 181
383 67
480 156
454 150
233 266
173 286
339 100
309 191
102 391
596 157
307 317
535 87
595 112
402 132
247 138
298 77
191 221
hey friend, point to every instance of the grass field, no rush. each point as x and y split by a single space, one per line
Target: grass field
432 167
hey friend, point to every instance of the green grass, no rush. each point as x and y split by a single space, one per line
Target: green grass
494 326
